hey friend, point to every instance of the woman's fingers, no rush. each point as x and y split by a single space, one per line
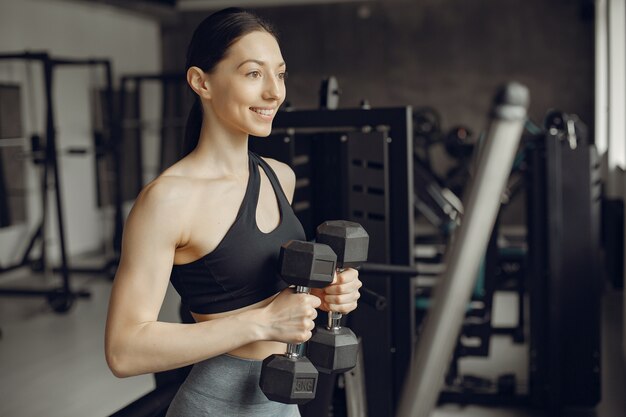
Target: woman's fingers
341 296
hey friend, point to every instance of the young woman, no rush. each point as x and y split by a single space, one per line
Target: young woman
213 223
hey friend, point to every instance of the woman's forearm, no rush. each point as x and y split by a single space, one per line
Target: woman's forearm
158 346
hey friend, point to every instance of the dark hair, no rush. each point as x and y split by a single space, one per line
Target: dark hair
208 46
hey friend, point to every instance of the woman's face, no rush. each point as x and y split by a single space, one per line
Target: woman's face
248 85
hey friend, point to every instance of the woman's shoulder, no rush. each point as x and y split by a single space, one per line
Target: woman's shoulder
164 196
282 170
285 174
160 205
167 188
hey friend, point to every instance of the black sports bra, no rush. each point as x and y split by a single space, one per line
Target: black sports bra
243 269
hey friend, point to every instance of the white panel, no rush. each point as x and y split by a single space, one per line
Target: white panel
617 96
70 29
601 77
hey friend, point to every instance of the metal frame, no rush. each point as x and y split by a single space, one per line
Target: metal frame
399 318
138 80
454 287
113 148
61 298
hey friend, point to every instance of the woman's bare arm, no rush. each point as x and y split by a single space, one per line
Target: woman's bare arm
135 342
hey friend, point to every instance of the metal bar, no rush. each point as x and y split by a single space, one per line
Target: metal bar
153 77
114 139
28 56
356 403
444 320
389 269
51 158
373 299
401 248
26 292
342 118
80 62
138 133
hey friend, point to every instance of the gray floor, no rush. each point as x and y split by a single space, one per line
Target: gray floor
53 365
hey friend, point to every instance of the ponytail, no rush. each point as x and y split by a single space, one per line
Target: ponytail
192 128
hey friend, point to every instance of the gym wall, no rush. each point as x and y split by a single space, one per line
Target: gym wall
446 54
69 30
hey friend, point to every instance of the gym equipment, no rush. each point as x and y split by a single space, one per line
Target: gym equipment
459 145
12 196
171 126
458 142
106 142
46 154
343 165
565 278
438 205
426 132
334 349
60 299
329 93
291 378
445 317
354 382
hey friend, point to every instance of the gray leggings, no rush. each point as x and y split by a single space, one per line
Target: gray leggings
226 386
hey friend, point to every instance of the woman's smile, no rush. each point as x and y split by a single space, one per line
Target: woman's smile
264 113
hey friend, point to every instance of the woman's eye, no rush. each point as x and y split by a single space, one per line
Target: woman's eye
254 74
283 75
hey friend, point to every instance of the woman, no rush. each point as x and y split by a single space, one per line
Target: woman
213 223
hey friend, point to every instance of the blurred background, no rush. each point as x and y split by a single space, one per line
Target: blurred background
93 103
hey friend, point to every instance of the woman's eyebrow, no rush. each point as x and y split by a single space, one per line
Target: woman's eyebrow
261 63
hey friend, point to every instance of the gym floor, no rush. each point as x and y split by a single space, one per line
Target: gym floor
53 365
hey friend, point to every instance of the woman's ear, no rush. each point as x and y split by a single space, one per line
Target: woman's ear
198 81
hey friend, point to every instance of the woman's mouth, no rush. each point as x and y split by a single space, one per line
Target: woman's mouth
265 113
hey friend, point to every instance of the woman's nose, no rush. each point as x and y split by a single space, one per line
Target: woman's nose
273 88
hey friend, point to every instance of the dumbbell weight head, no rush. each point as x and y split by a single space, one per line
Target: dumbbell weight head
290 378
348 240
307 264
334 349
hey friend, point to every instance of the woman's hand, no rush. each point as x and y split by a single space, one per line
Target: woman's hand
289 317
342 294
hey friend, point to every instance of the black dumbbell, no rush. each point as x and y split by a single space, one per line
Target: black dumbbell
334 349
291 378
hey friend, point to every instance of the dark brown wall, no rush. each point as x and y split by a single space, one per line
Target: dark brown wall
447 54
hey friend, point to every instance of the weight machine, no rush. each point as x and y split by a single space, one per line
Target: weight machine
61 299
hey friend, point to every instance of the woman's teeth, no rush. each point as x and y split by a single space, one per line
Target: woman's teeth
264 112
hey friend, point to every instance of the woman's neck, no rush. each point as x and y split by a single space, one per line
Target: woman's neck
225 151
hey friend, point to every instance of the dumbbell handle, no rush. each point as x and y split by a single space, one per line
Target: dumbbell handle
293 348
334 318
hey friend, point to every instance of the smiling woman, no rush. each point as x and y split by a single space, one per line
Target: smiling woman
244 93
213 223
